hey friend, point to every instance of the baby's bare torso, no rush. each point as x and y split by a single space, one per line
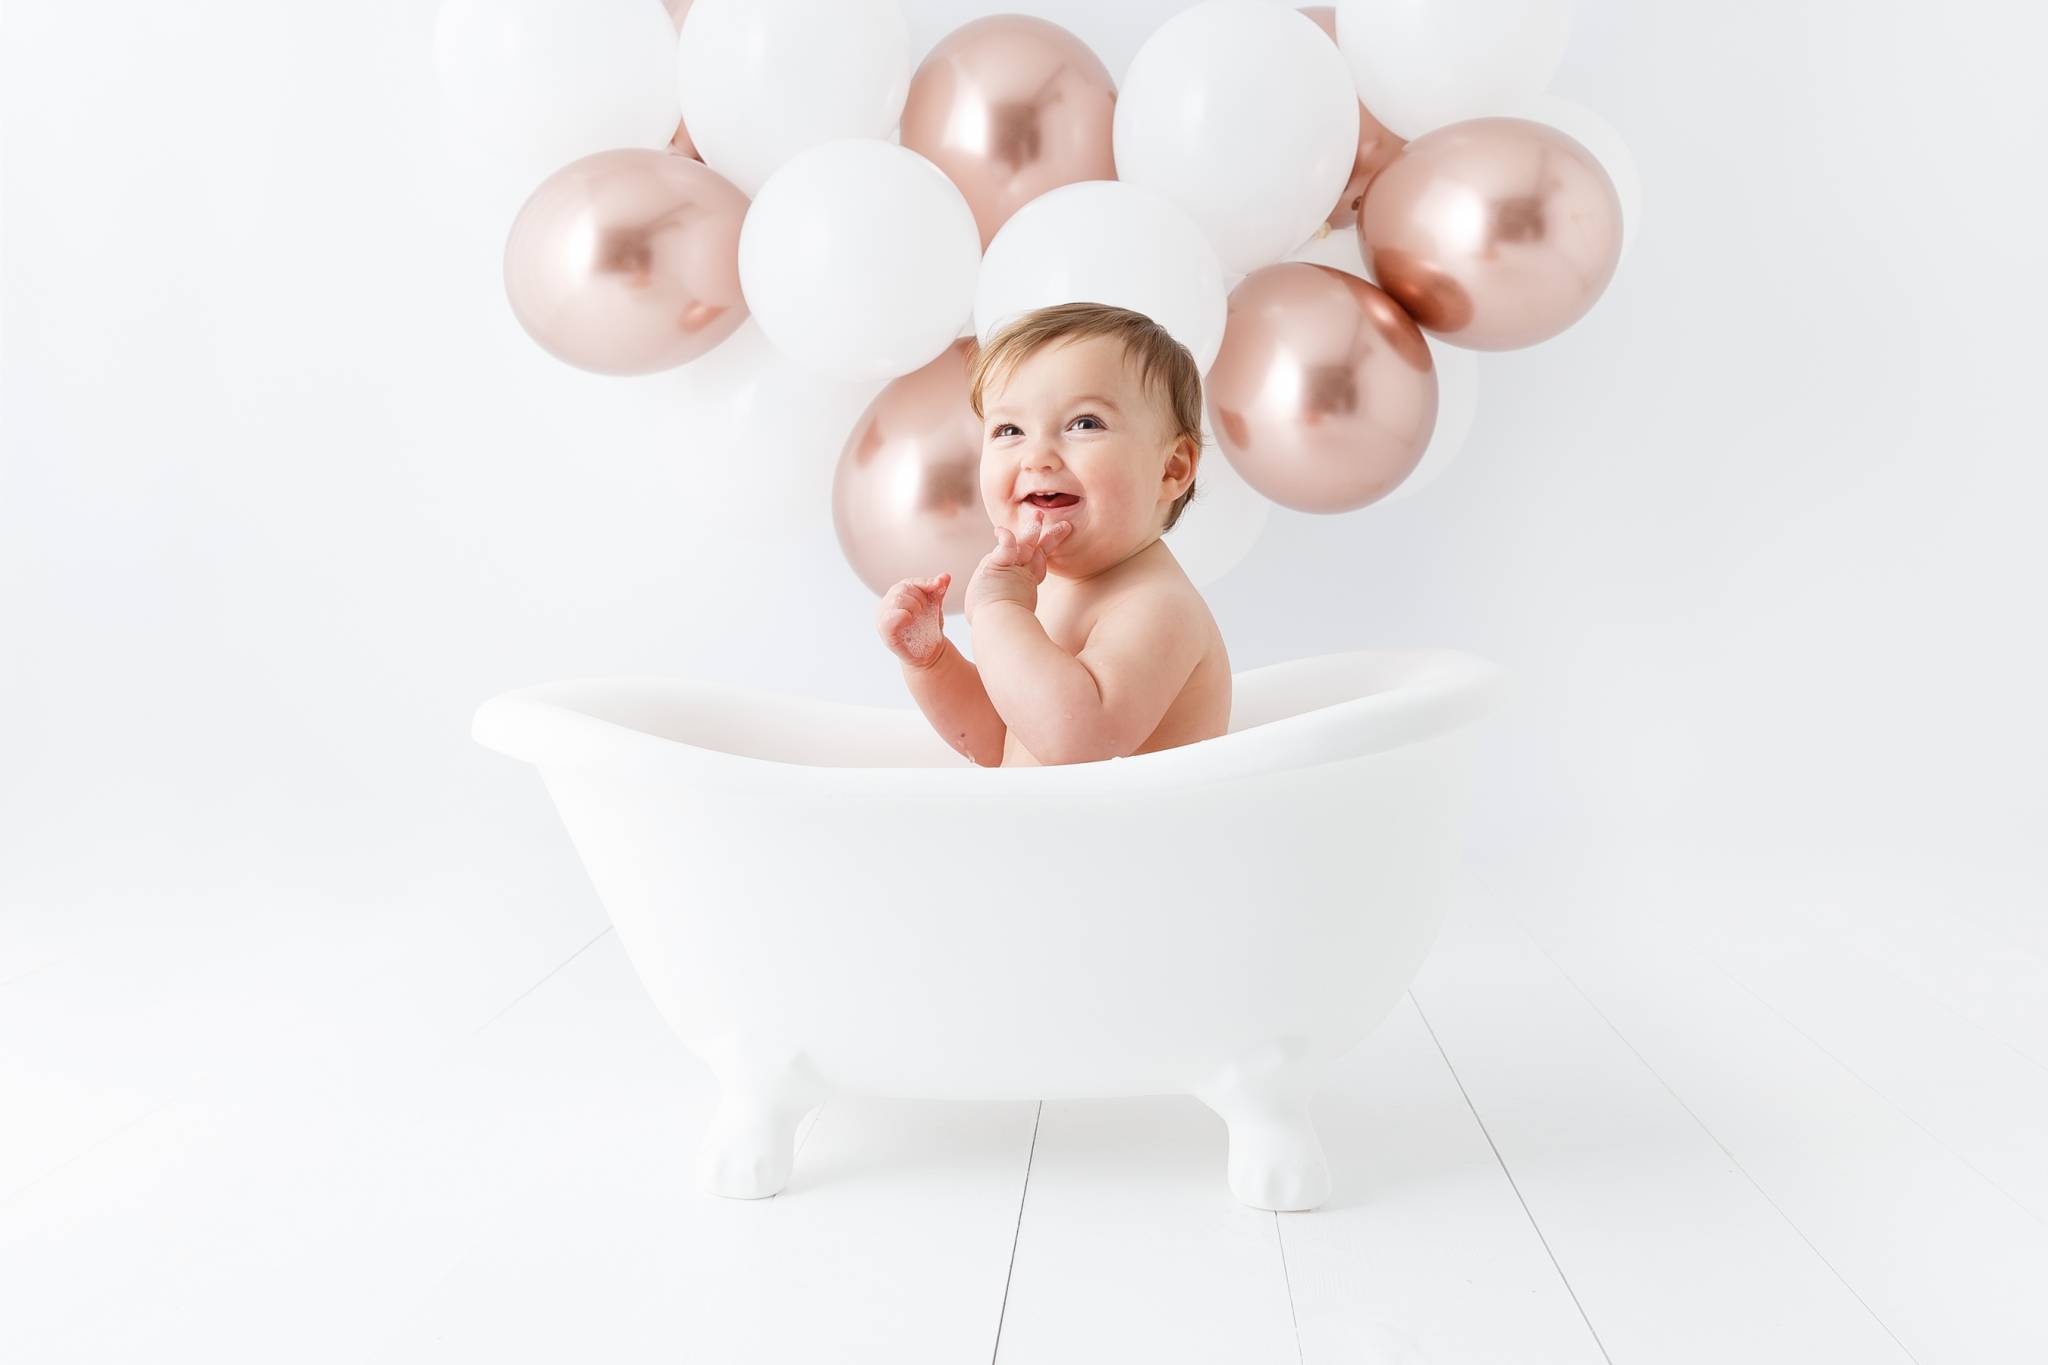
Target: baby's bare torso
1069 611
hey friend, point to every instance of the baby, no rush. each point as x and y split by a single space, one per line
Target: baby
1089 641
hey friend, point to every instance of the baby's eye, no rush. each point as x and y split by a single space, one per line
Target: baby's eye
1089 417
999 429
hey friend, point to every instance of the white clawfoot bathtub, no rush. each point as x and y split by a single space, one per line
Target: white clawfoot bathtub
824 897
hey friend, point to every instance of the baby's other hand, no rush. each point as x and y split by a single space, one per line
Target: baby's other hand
912 619
1013 570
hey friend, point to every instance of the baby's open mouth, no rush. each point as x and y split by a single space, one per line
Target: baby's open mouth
1050 500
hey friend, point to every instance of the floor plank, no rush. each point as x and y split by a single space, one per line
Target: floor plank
1133 1248
196 999
1424 1251
1950 1263
31 935
1675 1254
1963 1085
64 1083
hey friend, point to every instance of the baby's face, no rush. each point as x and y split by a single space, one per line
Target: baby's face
1072 418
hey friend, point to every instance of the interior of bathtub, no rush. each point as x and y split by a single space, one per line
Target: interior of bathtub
782 727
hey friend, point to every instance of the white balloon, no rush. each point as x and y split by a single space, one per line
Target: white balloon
530 85
754 437
1106 241
1420 64
1607 146
762 80
778 426
1244 113
858 258
1457 403
1222 522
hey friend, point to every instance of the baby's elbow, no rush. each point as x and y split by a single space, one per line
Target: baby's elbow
1078 745
991 756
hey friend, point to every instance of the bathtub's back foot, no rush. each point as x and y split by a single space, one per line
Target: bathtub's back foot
1276 1159
750 1145
749 1149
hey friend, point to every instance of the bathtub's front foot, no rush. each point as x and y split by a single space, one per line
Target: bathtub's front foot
750 1145
1276 1160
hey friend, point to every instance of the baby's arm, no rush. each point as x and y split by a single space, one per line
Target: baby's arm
948 689
950 693
1102 702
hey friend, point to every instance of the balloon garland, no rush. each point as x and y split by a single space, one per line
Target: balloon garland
782 161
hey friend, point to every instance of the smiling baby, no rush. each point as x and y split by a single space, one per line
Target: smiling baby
1089 641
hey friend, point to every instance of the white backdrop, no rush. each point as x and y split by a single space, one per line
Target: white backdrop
286 492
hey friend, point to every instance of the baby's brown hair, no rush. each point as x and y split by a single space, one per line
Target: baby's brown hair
1164 365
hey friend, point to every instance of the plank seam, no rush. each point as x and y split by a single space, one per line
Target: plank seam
1534 1226
542 982
1288 1281
1022 1195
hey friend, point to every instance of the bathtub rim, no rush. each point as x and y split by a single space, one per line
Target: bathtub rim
1442 690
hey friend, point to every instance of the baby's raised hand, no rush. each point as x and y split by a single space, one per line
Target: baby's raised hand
1013 570
912 619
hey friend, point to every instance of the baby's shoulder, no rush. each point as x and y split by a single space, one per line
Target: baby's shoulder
1153 593
1157 605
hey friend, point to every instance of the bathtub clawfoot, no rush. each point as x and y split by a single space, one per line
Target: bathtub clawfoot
750 1144
1276 1160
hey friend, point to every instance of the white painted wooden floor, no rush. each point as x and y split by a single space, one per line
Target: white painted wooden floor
265 1141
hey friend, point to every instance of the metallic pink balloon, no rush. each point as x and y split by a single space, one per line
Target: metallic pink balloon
627 261
1378 145
906 498
1324 394
1494 233
681 143
1010 106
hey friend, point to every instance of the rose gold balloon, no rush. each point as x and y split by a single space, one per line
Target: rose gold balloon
1378 145
1493 233
1324 394
627 261
682 144
1010 106
906 498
